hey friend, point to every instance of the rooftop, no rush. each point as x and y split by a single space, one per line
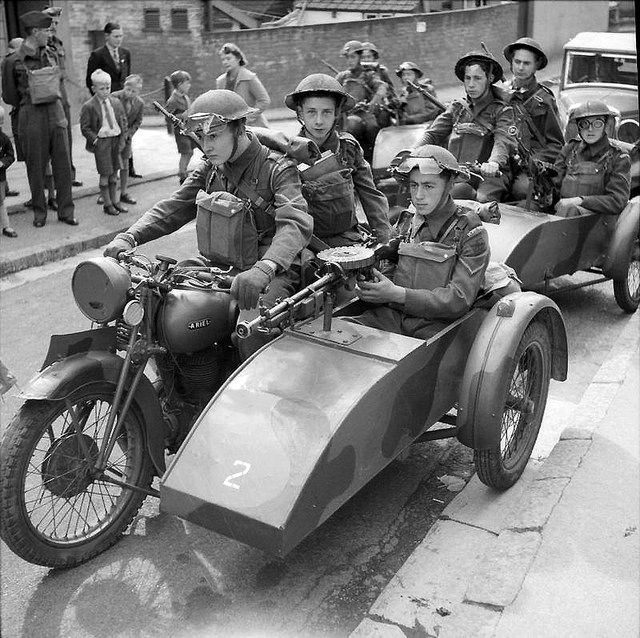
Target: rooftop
369 6
597 41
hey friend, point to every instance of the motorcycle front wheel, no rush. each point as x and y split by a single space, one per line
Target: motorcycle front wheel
57 510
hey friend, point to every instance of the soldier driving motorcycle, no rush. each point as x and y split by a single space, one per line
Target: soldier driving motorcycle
480 128
331 194
250 213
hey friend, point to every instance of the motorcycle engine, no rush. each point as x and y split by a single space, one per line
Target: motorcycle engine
191 320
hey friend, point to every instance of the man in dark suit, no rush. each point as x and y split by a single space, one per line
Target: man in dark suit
116 61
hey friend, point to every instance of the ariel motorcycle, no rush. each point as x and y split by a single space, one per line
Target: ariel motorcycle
271 447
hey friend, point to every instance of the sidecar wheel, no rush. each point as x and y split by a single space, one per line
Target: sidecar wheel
56 512
627 290
525 397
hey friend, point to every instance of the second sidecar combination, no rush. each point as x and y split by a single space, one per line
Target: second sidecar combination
283 439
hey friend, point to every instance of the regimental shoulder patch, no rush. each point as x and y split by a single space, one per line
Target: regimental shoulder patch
474 231
512 130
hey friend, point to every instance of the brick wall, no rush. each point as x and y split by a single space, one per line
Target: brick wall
282 56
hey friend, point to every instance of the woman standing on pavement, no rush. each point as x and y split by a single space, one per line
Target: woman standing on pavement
244 82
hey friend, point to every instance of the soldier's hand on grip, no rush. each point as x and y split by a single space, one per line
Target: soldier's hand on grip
489 169
247 286
119 244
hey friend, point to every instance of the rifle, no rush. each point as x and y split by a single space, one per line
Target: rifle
178 124
437 103
330 66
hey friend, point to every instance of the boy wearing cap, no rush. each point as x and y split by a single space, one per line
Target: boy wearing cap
133 106
42 125
442 254
593 175
177 105
480 128
104 125
535 111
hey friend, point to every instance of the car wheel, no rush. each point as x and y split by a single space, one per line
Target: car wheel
525 397
627 289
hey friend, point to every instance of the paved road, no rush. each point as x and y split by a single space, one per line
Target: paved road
167 577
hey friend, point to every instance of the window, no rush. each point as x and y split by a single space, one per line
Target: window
152 19
179 19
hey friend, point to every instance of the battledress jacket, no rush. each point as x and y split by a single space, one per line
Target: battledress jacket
614 166
374 203
483 130
461 229
289 228
362 84
540 105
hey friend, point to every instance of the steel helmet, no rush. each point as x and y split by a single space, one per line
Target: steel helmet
372 47
216 108
429 159
589 109
353 46
473 57
319 83
529 44
409 66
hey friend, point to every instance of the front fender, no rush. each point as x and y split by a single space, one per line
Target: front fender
66 376
481 398
625 233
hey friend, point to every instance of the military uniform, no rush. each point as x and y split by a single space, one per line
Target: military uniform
43 132
283 224
599 173
339 227
480 131
441 263
415 107
539 132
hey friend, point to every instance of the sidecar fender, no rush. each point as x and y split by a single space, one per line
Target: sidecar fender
481 398
626 232
58 380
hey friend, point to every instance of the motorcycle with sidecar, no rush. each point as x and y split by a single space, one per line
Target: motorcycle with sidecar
266 449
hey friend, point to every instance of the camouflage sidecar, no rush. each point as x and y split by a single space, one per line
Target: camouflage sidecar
314 415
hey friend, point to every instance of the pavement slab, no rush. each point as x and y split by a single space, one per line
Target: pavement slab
564 459
537 503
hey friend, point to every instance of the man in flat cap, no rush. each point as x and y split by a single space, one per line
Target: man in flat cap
536 112
34 85
57 45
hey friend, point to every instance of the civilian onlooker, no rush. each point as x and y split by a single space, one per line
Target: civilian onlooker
244 82
6 64
116 61
6 159
133 106
178 104
104 125
34 86
56 43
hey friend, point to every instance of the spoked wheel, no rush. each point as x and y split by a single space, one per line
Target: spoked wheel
524 403
57 510
627 290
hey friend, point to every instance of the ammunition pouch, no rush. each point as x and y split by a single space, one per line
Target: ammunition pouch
226 229
44 85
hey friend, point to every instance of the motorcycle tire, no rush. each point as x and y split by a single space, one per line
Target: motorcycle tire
54 511
627 290
525 400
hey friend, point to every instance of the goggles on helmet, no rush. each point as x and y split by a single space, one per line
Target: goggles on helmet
206 123
596 124
426 165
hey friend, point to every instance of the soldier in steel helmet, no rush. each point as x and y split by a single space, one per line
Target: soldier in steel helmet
594 175
237 173
536 112
369 92
416 109
442 255
318 101
480 128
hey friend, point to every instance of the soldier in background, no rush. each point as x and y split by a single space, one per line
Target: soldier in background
42 125
6 66
415 108
535 110
369 92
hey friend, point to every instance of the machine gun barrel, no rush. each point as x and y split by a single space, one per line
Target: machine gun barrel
279 313
437 103
329 66
178 124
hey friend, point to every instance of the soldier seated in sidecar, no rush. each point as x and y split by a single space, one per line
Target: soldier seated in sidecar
414 107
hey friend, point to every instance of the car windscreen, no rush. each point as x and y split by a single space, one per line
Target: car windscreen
609 68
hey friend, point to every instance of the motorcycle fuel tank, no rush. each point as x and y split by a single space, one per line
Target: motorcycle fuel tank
308 421
190 320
